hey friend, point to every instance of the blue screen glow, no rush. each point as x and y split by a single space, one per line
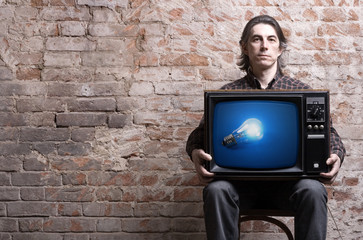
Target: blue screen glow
256 134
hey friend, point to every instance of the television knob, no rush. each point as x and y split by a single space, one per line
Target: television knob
321 127
316 127
310 127
315 112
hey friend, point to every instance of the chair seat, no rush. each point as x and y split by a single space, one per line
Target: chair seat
267 216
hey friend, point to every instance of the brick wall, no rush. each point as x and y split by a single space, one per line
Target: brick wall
97 99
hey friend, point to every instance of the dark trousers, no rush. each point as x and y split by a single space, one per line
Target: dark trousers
224 199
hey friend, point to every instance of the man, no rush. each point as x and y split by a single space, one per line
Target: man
262 44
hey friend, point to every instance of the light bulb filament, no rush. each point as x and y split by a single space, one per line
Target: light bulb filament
250 131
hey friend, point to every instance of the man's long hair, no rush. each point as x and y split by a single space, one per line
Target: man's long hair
244 61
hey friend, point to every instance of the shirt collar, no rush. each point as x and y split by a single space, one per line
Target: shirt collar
255 84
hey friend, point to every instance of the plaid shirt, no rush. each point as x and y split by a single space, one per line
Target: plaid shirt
196 138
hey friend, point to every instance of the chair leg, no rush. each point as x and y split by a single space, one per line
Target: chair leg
271 220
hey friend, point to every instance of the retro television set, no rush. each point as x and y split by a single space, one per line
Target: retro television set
267 133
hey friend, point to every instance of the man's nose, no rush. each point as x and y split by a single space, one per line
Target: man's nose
264 44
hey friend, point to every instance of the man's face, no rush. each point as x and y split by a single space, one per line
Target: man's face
262 47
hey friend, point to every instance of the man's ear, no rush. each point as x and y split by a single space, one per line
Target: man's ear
244 49
281 51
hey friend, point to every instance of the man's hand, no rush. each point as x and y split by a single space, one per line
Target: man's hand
335 162
199 157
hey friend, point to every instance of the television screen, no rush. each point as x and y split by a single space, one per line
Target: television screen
256 134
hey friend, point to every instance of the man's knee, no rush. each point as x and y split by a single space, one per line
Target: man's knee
311 190
219 189
217 186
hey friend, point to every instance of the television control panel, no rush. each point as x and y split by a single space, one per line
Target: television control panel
315 114
316 131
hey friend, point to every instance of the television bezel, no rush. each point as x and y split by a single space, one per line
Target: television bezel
212 97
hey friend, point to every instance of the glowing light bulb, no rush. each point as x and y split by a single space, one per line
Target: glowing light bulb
250 131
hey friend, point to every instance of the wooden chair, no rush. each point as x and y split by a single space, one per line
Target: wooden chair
268 216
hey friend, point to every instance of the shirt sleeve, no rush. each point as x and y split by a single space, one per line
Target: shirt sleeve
196 139
336 144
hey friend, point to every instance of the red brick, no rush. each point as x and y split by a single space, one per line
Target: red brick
146 194
70 44
36 179
187 194
94 209
352 181
62 13
147 60
92 105
62 3
83 134
43 134
5 73
178 88
109 225
30 58
184 60
189 225
71 194
10 163
190 179
32 194
39 105
38 3
263 3
182 209
315 44
109 194
353 16
113 30
150 180
181 133
69 224
160 103
67 75
13 148
334 15
31 209
339 29
12 119
310 15
81 119
338 58
70 209
342 195
112 179
148 225
8 225
159 132
152 164
176 13
28 74
74 178
75 164
31 225
141 89
9 194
